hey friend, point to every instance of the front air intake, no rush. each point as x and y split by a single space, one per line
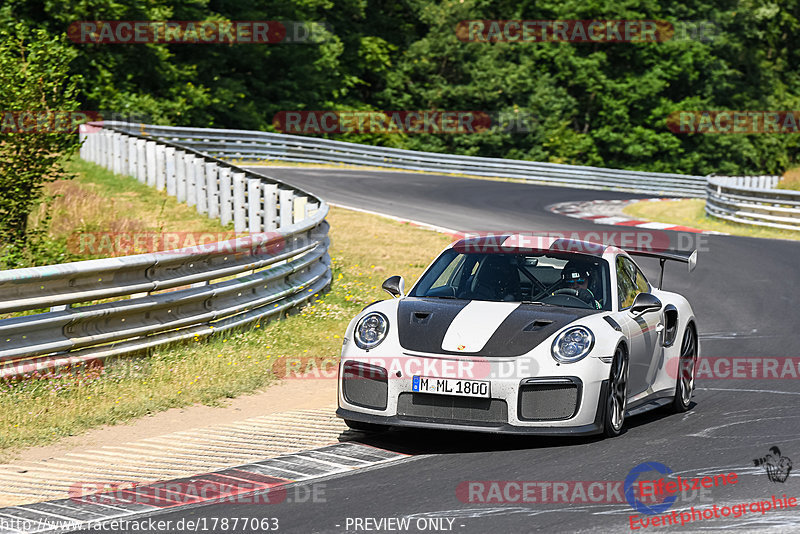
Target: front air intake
365 385
548 401
451 409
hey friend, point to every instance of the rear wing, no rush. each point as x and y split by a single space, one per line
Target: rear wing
684 256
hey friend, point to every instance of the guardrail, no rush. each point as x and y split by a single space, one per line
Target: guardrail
753 200
258 146
172 295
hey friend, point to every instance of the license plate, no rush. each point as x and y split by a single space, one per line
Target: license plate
450 386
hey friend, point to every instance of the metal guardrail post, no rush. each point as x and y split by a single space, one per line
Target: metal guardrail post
180 175
239 205
286 210
254 206
212 190
225 197
191 181
270 207
107 155
116 140
132 155
200 192
299 211
150 167
161 169
141 161
170 169
101 149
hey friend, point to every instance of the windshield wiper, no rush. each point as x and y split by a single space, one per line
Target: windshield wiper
535 302
439 297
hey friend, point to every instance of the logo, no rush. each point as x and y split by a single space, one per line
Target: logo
630 486
777 467
734 122
461 347
386 122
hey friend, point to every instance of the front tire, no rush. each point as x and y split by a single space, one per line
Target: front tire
365 427
617 398
684 386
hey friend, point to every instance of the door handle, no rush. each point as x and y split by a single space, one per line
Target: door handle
660 327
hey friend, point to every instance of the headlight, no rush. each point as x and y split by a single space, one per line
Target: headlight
371 330
573 344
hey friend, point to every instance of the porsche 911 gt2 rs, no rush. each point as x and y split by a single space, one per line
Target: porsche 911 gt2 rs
514 334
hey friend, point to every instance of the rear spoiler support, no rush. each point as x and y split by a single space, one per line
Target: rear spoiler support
684 256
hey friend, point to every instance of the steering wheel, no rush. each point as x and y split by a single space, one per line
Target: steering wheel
566 297
567 291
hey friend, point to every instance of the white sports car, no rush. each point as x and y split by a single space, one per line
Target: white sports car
521 334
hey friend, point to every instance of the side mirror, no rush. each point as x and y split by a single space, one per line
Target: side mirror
645 302
395 285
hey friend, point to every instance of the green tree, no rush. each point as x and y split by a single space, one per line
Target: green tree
35 78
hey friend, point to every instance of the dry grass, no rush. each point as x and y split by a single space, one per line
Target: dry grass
100 203
691 212
790 179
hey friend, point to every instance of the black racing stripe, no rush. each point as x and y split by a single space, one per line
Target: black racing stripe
422 323
527 327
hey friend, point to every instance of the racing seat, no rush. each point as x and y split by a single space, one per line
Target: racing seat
497 279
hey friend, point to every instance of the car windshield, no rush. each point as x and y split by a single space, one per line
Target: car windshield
559 279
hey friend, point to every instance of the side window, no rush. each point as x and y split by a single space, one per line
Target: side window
447 275
641 282
630 281
626 288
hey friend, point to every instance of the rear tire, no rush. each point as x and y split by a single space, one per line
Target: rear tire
684 384
617 398
366 427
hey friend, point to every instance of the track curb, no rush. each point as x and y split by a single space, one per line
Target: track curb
610 212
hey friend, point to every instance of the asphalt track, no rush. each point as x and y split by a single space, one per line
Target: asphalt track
744 293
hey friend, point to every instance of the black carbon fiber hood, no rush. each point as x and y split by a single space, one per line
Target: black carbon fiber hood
422 324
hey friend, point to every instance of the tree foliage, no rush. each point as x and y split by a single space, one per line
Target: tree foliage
36 82
584 103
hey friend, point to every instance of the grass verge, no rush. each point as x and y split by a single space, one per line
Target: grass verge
365 250
691 212
790 180
99 201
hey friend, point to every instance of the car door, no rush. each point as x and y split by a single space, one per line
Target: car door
643 331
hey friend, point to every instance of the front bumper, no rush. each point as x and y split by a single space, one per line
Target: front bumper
512 409
595 427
